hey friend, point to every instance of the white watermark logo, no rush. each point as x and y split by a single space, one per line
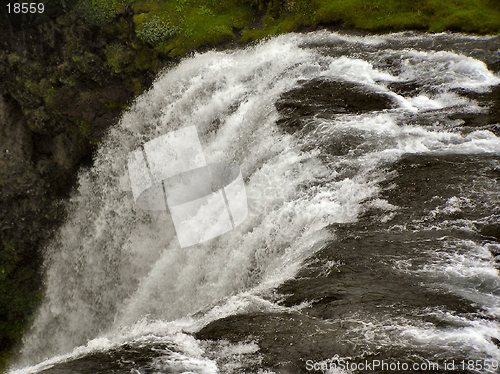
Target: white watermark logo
171 173
339 364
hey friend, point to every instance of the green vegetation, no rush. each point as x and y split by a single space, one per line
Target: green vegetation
118 57
18 297
477 16
101 11
177 27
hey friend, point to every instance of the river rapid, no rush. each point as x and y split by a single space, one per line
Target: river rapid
372 169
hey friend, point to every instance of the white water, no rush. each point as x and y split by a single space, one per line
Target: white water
116 274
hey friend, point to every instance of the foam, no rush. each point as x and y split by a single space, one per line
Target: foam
115 273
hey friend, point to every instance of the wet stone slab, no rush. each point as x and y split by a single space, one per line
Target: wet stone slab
327 98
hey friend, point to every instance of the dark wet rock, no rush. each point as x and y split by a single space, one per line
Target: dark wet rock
496 342
496 130
355 279
123 359
490 230
67 150
325 98
369 283
411 88
20 184
489 118
288 339
422 176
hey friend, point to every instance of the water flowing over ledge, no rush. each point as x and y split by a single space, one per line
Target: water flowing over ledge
116 275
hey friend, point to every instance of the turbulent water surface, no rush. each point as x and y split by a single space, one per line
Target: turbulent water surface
372 172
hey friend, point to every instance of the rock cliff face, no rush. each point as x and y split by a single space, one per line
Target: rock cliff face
20 184
57 98
24 210
15 140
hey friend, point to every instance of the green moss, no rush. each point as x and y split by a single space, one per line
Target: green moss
467 17
118 57
114 105
153 29
49 96
4 360
146 60
478 16
145 6
101 11
178 27
82 59
18 297
86 96
136 86
13 58
85 129
39 119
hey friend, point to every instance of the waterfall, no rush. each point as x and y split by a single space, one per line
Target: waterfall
115 271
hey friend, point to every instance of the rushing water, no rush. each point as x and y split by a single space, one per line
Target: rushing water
372 172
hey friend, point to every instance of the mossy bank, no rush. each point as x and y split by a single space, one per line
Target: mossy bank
67 74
